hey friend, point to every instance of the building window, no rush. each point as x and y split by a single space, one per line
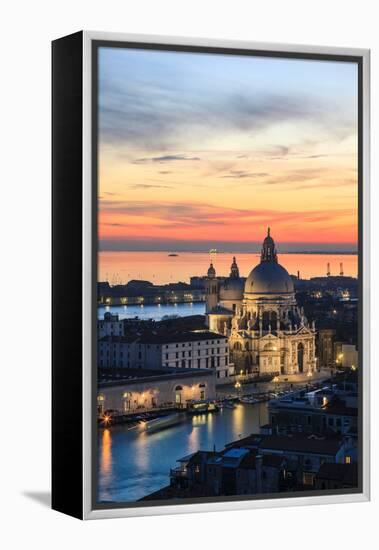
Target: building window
347 459
308 478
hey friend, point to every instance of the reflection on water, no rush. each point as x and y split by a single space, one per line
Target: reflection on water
134 464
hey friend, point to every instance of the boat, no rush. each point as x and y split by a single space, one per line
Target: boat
173 254
229 405
249 400
161 422
202 407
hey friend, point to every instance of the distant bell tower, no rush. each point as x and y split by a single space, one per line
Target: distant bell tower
211 290
268 253
234 271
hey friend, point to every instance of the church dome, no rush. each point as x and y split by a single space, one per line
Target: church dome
269 277
232 289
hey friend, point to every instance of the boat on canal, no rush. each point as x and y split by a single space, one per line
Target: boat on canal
160 422
202 406
250 400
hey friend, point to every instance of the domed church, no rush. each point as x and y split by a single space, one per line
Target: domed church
267 331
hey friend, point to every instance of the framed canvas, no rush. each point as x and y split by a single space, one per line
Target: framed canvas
210 275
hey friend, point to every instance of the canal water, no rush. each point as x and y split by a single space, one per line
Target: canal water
133 465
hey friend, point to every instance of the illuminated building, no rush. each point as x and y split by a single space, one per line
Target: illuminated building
149 389
267 331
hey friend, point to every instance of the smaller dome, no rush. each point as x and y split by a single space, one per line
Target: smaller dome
211 272
232 289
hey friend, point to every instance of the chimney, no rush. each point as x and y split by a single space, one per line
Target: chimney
298 274
328 269
341 269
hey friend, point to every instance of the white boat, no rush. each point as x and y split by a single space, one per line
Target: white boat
249 400
161 422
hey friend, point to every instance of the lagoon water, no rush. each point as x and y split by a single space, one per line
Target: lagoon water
160 268
156 312
133 465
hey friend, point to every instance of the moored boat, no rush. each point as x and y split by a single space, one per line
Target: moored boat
202 407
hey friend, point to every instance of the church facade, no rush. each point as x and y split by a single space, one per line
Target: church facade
267 332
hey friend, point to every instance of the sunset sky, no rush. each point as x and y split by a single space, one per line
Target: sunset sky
205 151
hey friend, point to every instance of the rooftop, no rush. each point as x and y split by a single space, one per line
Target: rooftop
315 444
109 377
163 336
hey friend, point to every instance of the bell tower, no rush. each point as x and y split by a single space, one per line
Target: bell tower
211 289
234 271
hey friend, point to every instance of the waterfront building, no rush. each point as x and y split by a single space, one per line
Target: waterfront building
110 325
268 332
152 388
137 292
329 409
164 348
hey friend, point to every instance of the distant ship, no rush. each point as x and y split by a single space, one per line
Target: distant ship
173 254
213 251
